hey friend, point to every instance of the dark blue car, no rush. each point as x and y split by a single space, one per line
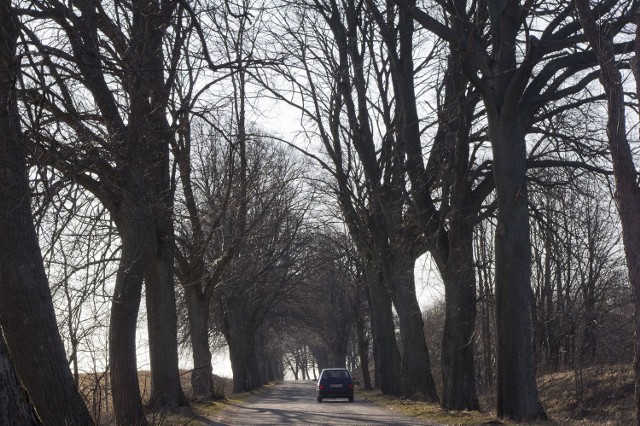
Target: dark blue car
335 383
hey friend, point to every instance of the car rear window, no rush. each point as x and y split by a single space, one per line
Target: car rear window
336 374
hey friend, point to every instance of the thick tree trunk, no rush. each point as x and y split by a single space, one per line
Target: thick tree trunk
453 251
387 355
363 353
127 401
321 356
242 352
15 404
148 143
485 294
417 380
26 309
166 390
198 310
458 371
517 390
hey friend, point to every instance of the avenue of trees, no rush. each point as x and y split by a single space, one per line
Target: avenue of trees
264 176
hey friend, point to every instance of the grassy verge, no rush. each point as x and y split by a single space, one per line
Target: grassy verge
427 411
199 413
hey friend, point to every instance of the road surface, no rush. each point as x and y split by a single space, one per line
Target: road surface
294 402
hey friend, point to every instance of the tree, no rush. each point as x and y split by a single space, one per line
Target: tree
26 309
601 40
118 148
236 27
450 173
201 258
337 54
267 263
500 64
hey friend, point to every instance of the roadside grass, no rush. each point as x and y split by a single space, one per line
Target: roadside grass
598 395
201 413
425 411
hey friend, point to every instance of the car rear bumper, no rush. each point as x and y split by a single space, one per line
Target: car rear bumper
335 393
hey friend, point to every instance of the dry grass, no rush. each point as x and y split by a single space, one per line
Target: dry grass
600 395
96 391
199 413
426 411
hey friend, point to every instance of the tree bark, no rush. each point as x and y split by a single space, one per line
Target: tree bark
198 311
363 352
239 334
458 370
517 390
15 404
453 248
26 308
387 355
151 130
127 401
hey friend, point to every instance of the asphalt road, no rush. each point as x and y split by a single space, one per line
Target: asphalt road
294 402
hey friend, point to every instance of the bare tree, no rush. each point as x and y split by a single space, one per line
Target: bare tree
595 24
267 263
109 92
500 64
26 309
337 54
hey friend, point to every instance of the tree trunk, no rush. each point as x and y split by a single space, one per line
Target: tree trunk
202 374
127 401
458 371
485 296
517 390
417 380
387 355
242 351
453 252
166 390
148 144
363 352
15 404
26 309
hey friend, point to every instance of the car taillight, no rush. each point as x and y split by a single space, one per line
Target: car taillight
350 386
321 387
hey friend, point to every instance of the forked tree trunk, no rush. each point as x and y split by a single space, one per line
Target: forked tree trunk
26 308
454 255
387 355
166 390
417 380
149 138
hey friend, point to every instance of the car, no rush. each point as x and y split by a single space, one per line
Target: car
335 383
